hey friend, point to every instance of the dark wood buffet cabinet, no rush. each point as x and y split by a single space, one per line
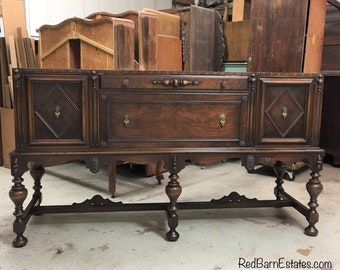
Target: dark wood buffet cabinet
175 117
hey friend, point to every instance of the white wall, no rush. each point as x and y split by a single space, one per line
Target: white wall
40 12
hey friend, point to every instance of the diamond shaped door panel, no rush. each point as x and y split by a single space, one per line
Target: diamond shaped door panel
57 112
283 114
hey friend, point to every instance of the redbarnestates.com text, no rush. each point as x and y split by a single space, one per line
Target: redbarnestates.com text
282 263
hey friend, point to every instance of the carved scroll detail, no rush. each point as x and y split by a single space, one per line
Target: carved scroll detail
232 197
98 200
94 164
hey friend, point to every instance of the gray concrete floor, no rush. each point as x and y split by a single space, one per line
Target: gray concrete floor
215 239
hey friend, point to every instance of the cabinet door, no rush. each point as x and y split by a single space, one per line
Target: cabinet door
288 110
181 117
58 110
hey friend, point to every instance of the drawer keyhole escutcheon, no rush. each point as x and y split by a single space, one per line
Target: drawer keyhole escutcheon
221 119
126 121
284 112
57 112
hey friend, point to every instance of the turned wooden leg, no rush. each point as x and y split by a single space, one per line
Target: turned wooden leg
37 173
280 169
18 194
173 190
314 188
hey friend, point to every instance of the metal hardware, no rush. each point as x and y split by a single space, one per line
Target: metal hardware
57 112
126 82
221 119
126 121
175 82
284 112
224 84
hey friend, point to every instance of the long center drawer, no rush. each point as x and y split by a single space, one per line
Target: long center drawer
157 112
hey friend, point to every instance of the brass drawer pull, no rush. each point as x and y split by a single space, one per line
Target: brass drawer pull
175 82
126 120
222 119
284 112
57 112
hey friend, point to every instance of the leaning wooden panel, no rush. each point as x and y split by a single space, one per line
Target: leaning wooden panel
123 42
147 41
202 38
315 36
236 36
170 47
169 34
277 35
168 24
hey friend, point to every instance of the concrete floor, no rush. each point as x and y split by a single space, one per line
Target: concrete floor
210 240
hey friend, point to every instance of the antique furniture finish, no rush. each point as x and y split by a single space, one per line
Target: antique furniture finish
98 116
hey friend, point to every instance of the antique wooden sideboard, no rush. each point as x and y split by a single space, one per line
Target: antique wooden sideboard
99 116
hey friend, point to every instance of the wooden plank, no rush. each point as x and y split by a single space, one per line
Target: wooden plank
6 100
168 24
169 53
236 36
314 37
147 41
12 52
11 23
30 52
238 10
124 44
21 48
202 46
277 35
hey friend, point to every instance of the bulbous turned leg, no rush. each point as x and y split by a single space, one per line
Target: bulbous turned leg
18 194
173 190
314 188
280 169
37 173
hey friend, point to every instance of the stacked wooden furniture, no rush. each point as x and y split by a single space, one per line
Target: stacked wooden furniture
145 36
97 116
330 132
79 43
